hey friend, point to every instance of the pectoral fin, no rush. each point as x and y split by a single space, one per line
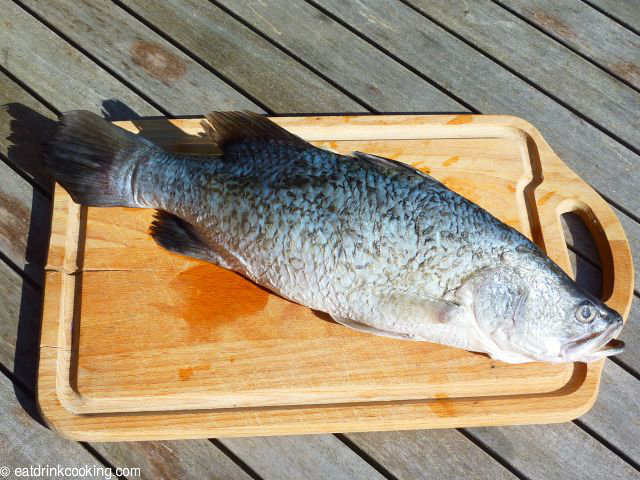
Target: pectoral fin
179 236
405 317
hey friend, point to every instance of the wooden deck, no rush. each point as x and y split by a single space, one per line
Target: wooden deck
572 68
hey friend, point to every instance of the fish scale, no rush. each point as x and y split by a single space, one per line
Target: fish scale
380 246
289 180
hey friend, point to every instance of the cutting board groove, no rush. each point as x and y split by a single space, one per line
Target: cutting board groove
133 334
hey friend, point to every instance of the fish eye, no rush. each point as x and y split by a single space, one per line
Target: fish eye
586 312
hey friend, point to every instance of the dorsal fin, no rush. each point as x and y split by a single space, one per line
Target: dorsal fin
388 163
225 128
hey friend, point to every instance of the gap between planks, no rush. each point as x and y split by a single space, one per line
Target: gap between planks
636 292
611 16
98 63
26 392
558 40
395 58
92 58
520 76
193 56
292 55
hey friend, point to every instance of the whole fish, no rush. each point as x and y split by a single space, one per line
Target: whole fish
378 245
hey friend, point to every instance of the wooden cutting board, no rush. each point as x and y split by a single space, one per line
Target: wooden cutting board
140 343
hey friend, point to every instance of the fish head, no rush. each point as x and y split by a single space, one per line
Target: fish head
526 308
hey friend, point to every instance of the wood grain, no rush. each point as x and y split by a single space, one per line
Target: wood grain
24 442
17 222
554 451
546 63
589 32
334 132
182 459
24 124
590 278
56 70
143 58
616 414
426 454
463 71
631 228
439 413
19 315
70 95
25 205
346 59
244 57
301 457
626 11
631 355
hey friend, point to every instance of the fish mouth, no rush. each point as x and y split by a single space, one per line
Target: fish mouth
594 346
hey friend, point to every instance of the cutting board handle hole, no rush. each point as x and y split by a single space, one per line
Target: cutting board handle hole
584 253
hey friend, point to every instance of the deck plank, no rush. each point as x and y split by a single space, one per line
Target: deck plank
20 315
589 277
347 60
142 57
16 141
19 319
54 69
588 250
25 209
24 442
195 459
248 60
425 454
601 161
625 11
631 337
560 452
301 457
551 66
200 463
19 222
589 32
178 459
616 414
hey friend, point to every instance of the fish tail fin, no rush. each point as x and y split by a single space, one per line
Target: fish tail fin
89 157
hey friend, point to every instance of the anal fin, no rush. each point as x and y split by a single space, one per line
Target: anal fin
361 327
